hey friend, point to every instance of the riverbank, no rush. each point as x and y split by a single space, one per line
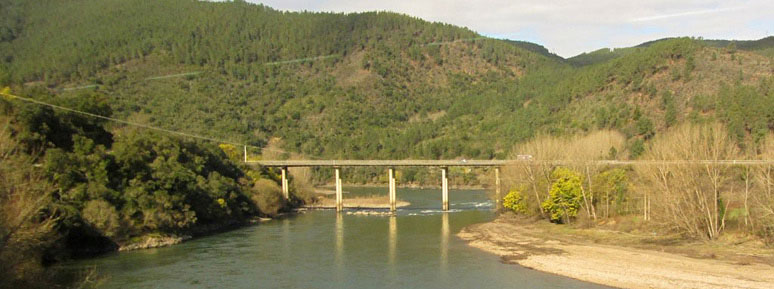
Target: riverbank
359 202
615 259
158 240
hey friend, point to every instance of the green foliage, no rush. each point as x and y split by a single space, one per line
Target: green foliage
747 110
637 148
565 195
670 109
611 187
515 201
690 65
142 183
365 85
103 216
401 87
645 127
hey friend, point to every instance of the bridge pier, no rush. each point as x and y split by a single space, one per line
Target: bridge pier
285 189
498 197
392 189
339 198
444 189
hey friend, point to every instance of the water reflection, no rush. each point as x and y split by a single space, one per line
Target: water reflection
444 244
287 238
392 240
311 250
339 240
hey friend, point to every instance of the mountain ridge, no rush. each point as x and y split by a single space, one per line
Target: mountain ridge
361 85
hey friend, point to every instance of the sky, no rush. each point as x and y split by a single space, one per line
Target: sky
570 27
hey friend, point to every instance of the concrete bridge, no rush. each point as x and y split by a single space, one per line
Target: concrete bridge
445 164
390 164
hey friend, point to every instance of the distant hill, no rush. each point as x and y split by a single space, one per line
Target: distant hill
599 56
364 85
763 46
537 48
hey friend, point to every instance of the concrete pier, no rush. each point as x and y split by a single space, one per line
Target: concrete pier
285 189
498 196
392 190
444 189
391 164
339 197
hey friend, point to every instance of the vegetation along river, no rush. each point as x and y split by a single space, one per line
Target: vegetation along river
323 249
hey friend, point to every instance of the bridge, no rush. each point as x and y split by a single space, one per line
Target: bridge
445 164
390 164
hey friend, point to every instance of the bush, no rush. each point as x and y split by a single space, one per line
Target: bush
267 196
565 196
515 202
102 216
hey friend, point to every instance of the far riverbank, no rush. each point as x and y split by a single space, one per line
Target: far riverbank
328 187
544 247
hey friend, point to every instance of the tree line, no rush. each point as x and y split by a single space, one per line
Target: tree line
74 185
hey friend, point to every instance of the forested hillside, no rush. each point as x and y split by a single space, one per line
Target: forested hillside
367 85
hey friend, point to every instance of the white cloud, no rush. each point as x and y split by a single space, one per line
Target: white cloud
686 13
570 27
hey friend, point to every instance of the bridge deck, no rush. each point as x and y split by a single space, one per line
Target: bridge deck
379 163
485 163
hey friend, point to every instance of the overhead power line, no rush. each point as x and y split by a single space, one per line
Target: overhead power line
80 87
185 134
6 93
173 75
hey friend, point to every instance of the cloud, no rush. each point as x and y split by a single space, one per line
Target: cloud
569 27
682 14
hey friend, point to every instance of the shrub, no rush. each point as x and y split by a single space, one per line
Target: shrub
267 196
102 216
565 196
515 202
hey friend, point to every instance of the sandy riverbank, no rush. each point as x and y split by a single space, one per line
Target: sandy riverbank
360 202
626 267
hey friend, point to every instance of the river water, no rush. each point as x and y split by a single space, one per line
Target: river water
323 249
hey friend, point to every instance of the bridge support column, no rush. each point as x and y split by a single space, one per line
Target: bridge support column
498 196
392 190
339 198
444 190
285 189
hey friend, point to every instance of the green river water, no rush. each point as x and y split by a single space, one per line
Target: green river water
322 249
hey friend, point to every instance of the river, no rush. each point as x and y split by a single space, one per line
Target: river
323 249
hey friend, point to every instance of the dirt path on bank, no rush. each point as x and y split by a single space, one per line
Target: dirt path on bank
616 266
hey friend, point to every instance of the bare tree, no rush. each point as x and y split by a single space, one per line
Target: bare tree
691 196
24 229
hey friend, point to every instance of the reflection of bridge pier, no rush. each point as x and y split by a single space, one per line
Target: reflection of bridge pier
392 240
444 242
339 256
391 164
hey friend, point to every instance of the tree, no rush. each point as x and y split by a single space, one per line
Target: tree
612 185
102 216
565 196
